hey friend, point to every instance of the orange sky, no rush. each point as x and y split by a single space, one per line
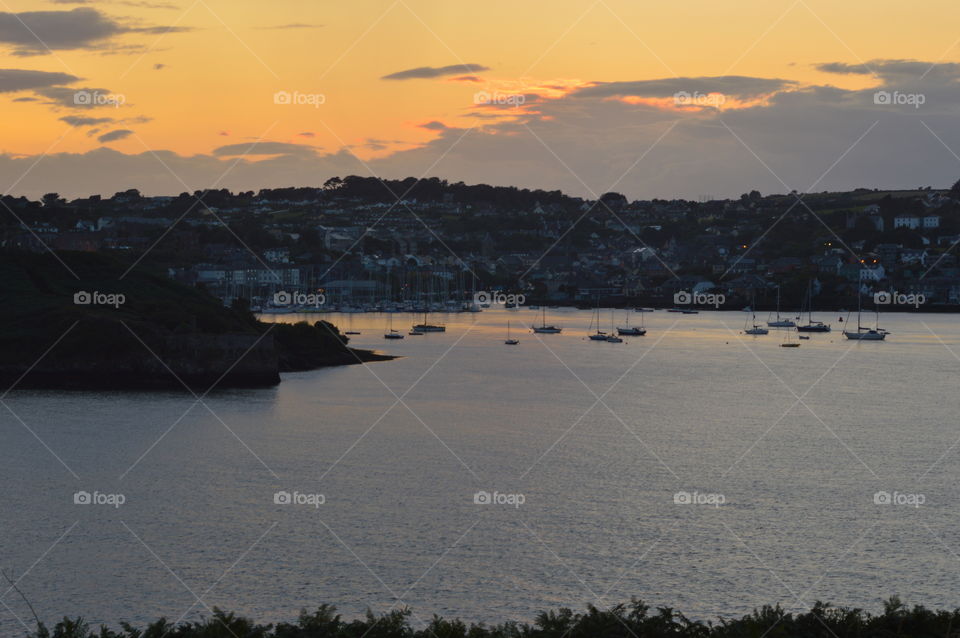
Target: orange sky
218 79
211 81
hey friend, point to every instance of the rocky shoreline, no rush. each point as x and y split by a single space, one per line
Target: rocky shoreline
152 334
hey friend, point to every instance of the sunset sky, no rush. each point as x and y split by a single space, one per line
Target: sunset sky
571 95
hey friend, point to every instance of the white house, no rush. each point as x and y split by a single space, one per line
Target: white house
908 221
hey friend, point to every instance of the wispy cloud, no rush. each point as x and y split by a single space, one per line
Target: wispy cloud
427 72
77 121
263 148
24 79
113 136
38 32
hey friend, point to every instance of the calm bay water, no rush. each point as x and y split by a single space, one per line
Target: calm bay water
795 443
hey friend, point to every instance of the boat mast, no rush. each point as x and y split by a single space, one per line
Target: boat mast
859 296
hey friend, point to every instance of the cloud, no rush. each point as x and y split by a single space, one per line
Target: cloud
844 68
589 140
424 72
76 120
306 134
896 71
733 85
159 67
39 32
435 125
263 148
22 79
115 135
77 98
466 78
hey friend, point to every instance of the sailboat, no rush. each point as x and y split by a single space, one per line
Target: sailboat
391 333
863 333
510 341
543 328
780 323
788 342
634 331
754 329
599 335
612 338
427 327
811 325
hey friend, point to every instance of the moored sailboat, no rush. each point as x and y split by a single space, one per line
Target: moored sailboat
811 325
428 327
632 331
545 329
778 322
754 329
863 333
599 335
391 333
510 341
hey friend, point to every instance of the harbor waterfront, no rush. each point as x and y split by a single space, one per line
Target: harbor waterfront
695 466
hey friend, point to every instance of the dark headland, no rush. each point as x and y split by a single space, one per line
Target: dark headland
81 321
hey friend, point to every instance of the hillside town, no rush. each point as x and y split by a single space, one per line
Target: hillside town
370 244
